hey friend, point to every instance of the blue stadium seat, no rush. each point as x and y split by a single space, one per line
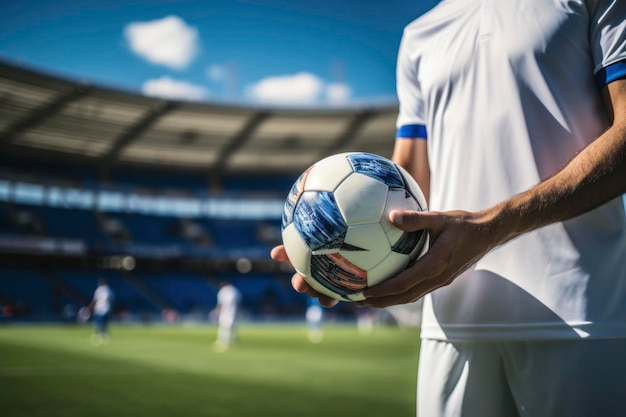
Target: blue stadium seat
77 224
186 291
31 289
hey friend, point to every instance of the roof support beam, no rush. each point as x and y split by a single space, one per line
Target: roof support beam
239 140
349 135
42 113
158 110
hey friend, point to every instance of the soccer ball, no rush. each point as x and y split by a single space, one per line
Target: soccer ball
335 225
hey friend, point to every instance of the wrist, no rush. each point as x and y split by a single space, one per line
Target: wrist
499 223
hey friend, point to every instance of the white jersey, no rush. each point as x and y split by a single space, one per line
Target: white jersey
505 93
228 298
103 298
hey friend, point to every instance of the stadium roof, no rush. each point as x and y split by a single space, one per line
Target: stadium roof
55 117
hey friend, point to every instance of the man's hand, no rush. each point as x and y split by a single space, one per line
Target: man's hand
457 240
298 283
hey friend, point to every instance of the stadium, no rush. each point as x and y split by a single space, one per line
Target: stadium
166 199
189 190
156 198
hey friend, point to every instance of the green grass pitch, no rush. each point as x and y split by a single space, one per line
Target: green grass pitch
155 371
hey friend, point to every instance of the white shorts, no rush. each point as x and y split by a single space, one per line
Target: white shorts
559 378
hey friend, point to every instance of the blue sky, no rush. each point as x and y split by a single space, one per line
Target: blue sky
285 52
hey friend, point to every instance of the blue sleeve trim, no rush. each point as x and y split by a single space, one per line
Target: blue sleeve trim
611 73
412 131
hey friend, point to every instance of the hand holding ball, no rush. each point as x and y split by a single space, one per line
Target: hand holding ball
335 225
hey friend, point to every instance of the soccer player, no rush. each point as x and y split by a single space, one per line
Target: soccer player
101 306
228 299
314 316
513 120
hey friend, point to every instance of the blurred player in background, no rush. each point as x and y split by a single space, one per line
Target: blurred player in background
513 121
228 300
314 316
101 306
366 319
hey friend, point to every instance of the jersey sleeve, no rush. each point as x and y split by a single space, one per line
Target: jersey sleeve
608 40
411 118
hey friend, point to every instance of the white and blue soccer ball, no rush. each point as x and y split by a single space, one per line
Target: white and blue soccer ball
335 225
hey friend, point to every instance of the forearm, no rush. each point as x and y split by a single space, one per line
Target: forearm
412 155
596 175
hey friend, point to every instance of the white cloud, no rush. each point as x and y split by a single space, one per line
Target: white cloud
301 88
169 88
168 41
338 93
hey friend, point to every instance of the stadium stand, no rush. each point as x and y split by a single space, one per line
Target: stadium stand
186 292
32 293
163 198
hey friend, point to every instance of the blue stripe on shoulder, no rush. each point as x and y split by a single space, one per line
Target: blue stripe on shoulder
412 131
611 73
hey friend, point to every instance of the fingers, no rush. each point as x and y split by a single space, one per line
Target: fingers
299 284
418 280
279 254
456 241
402 289
394 286
327 301
410 220
426 269
406 296
409 285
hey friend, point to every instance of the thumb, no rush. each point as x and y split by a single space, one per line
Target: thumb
408 220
